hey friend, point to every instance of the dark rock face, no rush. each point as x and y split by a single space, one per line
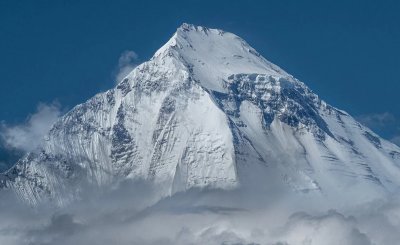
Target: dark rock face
292 103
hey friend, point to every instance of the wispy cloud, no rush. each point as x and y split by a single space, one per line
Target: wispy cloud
377 120
27 136
396 140
126 63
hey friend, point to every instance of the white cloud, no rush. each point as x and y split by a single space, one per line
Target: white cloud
27 136
330 228
126 63
126 215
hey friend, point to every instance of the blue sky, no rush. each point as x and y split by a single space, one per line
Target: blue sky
348 52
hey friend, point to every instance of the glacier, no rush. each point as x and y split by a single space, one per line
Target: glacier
207 111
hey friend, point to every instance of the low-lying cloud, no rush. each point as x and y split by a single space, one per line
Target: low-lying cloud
27 136
130 214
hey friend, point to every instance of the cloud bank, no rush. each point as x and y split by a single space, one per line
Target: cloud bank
27 136
129 214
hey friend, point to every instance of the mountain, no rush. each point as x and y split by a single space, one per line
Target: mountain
207 110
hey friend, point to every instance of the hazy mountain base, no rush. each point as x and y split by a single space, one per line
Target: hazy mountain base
129 214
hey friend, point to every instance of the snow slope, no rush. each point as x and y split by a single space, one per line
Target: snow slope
207 110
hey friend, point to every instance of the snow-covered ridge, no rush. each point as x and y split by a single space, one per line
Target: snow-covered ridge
207 110
213 55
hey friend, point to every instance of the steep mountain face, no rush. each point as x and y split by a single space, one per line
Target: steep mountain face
207 110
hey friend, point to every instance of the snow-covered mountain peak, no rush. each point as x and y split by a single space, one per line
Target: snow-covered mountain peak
208 110
186 27
213 55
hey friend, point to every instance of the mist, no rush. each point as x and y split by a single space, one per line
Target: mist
131 213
